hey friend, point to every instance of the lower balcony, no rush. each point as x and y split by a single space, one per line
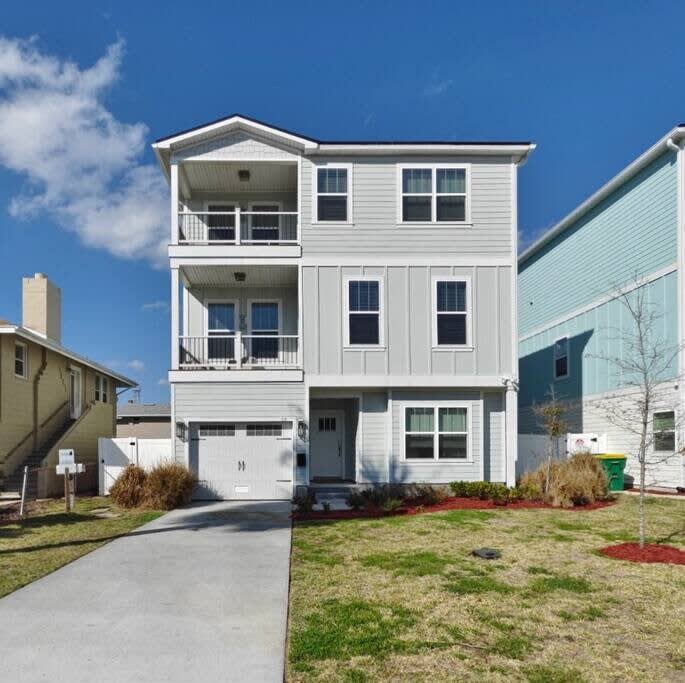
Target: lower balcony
239 351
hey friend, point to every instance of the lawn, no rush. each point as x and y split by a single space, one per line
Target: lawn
401 598
49 538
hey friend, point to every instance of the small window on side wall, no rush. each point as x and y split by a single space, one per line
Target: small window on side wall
561 358
332 194
20 360
664 431
364 312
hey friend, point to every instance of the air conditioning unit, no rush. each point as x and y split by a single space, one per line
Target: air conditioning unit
594 443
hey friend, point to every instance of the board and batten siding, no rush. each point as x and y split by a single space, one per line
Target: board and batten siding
249 401
375 228
591 334
407 318
632 231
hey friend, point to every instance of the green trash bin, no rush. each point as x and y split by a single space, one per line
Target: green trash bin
614 464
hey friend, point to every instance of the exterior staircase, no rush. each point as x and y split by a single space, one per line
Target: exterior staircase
12 484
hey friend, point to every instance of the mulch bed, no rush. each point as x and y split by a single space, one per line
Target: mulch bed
652 552
449 504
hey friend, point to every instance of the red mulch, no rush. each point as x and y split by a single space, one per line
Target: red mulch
449 504
652 552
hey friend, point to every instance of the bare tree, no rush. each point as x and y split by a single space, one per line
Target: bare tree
551 418
643 365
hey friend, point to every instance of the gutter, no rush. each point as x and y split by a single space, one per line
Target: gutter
668 142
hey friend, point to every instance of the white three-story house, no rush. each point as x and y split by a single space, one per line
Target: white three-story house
340 311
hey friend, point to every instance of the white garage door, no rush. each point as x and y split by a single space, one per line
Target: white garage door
253 461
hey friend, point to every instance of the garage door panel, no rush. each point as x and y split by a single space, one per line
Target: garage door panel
251 461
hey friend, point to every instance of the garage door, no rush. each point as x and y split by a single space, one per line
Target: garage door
253 461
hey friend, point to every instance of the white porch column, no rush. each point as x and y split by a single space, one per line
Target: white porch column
173 181
174 318
511 420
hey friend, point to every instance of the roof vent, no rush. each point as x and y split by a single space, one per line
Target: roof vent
243 175
239 276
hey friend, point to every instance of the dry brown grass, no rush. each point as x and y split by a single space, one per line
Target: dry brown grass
565 483
167 486
401 598
127 490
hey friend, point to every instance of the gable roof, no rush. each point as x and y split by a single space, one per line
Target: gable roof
29 335
308 145
668 141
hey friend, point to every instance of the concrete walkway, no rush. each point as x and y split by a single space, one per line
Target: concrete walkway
198 595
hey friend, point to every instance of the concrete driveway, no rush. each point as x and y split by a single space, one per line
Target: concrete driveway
198 595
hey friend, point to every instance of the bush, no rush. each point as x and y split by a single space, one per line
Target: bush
580 480
424 494
127 490
167 486
484 490
305 502
375 497
356 500
392 504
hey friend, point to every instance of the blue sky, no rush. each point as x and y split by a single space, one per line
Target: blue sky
592 83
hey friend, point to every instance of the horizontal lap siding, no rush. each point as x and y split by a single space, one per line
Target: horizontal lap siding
494 437
435 471
374 455
375 212
633 231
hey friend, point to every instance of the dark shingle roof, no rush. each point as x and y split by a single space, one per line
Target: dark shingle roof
143 410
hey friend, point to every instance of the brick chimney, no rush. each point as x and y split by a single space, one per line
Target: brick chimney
42 307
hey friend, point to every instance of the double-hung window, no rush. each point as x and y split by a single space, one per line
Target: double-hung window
434 194
332 185
221 328
561 358
264 323
101 388
664 431
21 364
436 433
451 312
364 312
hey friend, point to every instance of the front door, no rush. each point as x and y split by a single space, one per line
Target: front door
327 445
74 393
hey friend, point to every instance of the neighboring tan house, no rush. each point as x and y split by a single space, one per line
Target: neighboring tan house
569 319
50 397
348 309
144 420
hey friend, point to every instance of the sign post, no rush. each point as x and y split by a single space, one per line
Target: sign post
68 467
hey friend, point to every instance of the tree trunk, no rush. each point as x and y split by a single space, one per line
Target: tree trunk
641 510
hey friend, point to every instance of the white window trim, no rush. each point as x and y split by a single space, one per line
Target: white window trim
434 214
315 194
279 302
435 405
236 317
24 346
251 207
381 312
468 346
676 440
568 358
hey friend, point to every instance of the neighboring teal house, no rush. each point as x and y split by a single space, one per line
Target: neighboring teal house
631 226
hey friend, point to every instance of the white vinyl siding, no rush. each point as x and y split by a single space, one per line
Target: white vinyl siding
332 193
433 193
437 432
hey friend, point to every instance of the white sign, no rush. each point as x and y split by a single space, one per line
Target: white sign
79 468
66 456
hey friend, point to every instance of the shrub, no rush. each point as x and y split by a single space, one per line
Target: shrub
127 490
580 480
374 497
356 500
167 486
392 504
424 494
305 502
484 490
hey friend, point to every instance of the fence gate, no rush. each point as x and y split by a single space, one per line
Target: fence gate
116 454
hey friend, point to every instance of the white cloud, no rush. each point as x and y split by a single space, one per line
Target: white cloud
438 87
136 365
162 306
82 164
163 382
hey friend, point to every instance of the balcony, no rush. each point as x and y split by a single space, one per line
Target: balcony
239 351
259 228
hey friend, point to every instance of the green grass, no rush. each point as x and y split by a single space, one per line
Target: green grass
403 598
49 539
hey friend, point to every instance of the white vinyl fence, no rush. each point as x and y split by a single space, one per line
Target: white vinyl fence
532 452
116 454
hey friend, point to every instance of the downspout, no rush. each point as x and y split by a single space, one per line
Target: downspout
36 381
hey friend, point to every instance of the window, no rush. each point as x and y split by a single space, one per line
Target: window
327 424
436 433
332 194
364 312
217 430
561 358
450 325
221 228
221 317
265 227
101 388
20 360
434 194
264 323
264 430
664 431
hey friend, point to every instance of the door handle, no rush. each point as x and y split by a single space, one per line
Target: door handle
339 449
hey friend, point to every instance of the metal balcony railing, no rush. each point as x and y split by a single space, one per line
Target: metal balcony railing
239 350
272 228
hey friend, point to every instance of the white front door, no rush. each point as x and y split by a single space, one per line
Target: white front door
327 444
74 393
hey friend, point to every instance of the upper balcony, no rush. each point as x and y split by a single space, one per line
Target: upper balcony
235 209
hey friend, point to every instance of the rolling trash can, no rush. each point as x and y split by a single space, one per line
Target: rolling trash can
614 465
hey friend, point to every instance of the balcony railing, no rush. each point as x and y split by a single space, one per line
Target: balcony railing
239 350
256 227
